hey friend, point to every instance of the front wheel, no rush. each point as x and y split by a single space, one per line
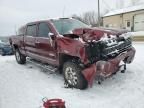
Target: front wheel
21 59
73 76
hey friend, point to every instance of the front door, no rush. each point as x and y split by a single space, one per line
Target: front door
45 49
29 40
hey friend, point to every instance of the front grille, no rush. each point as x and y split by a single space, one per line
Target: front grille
119 48
101 51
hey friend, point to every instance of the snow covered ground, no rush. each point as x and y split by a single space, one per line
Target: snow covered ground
23 86
138 33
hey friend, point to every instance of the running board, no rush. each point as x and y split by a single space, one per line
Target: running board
46 67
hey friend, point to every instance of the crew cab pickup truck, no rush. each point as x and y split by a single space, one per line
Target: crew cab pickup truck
81 52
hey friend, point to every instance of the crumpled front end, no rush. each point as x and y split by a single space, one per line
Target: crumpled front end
106 68
106 54
99 50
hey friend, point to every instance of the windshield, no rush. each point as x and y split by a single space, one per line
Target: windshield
65 26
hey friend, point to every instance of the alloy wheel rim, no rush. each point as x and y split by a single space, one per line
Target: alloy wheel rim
17 56
71 76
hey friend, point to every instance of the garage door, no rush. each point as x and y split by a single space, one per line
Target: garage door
139 22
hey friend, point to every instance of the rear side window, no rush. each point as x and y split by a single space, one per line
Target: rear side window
31 30
43 30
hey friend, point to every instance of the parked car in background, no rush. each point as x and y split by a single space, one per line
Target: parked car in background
80 51
5 49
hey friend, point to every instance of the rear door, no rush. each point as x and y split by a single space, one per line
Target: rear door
44 46
29 40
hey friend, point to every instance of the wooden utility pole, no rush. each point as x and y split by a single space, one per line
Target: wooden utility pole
98 13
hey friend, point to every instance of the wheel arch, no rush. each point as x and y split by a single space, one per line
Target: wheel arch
14 47
65 57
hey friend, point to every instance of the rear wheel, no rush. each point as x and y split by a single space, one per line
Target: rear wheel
21 59
73 76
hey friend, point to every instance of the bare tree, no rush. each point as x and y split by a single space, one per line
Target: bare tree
89 18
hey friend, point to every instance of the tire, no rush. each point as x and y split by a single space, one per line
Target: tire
21 59
73 76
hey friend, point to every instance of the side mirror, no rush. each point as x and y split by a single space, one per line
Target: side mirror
51 35
51 38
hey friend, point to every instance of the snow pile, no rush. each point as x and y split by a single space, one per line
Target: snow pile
138 33
23 86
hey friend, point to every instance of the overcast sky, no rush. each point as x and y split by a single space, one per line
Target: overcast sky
14 13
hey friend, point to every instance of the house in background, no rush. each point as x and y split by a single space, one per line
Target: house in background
131 18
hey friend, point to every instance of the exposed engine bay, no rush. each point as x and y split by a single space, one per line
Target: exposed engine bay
108 47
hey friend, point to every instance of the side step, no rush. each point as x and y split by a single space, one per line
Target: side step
45 67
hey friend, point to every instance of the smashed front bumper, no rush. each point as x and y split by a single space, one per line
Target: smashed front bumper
107 68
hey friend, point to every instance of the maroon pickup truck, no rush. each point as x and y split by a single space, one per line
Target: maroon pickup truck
80 52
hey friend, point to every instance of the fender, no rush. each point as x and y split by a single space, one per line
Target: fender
72 47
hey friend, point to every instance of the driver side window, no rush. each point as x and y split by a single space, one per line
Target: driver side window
43 30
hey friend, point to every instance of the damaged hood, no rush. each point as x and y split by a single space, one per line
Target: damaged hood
89 34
